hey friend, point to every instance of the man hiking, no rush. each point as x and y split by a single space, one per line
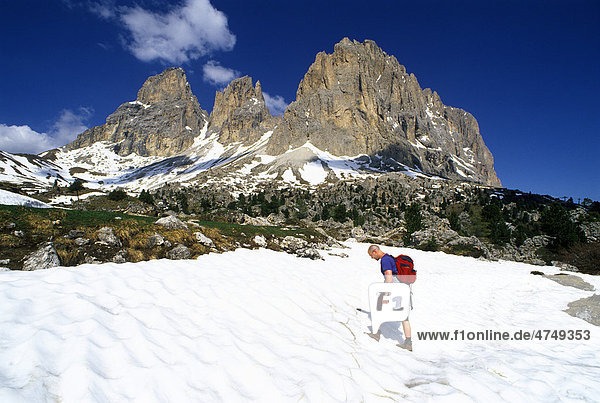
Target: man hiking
389 271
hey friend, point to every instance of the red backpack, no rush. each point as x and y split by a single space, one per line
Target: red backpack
406 270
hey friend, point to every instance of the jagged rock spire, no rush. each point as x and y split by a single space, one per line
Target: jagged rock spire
240 114
171 84
163 121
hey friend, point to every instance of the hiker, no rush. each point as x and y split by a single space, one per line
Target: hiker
388 269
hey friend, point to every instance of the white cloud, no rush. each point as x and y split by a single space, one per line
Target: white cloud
187 32
276 104
23 139
69 125
218 75
104 9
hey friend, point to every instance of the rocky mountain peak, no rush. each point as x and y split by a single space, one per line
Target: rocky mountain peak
240 112
169 85
163 121
360 100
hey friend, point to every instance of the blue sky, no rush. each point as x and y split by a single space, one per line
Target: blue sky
529 71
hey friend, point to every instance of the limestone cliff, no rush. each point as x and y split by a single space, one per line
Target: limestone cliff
359 100
240 114
163 120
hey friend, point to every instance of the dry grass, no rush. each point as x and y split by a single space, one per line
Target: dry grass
40 224
135 255
140 239
181 236
198 249
9 241
69 257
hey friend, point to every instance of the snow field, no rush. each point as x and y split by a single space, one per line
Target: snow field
15 199
267 326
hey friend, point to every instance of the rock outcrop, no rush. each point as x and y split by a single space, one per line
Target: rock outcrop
587 309
106 236
163 120
179 252
171 222
359 100
240 114
44 258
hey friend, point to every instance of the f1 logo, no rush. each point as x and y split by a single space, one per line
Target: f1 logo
389 302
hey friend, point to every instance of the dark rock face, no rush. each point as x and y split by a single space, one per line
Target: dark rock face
359 100
163 121
240 114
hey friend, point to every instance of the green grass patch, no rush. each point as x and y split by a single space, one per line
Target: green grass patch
42 225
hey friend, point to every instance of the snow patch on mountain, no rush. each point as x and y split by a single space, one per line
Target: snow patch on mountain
31 171
205 163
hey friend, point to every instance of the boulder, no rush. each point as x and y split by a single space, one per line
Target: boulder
107 236
260 240
179 252
359 234
528 250
171 222
155 240
203 239
441 235
137 207
330 241
587 309
43 258
292 244
92 260
310 253
81 241
74 233
247 220
536 242
120 256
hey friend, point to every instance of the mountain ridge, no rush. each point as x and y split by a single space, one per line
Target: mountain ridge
357 112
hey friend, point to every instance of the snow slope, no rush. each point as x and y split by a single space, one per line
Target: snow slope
207 162
268 326
31 171
15 199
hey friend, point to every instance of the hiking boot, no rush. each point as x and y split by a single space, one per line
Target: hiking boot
375 336
407 345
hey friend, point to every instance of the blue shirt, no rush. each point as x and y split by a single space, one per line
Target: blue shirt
388 263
